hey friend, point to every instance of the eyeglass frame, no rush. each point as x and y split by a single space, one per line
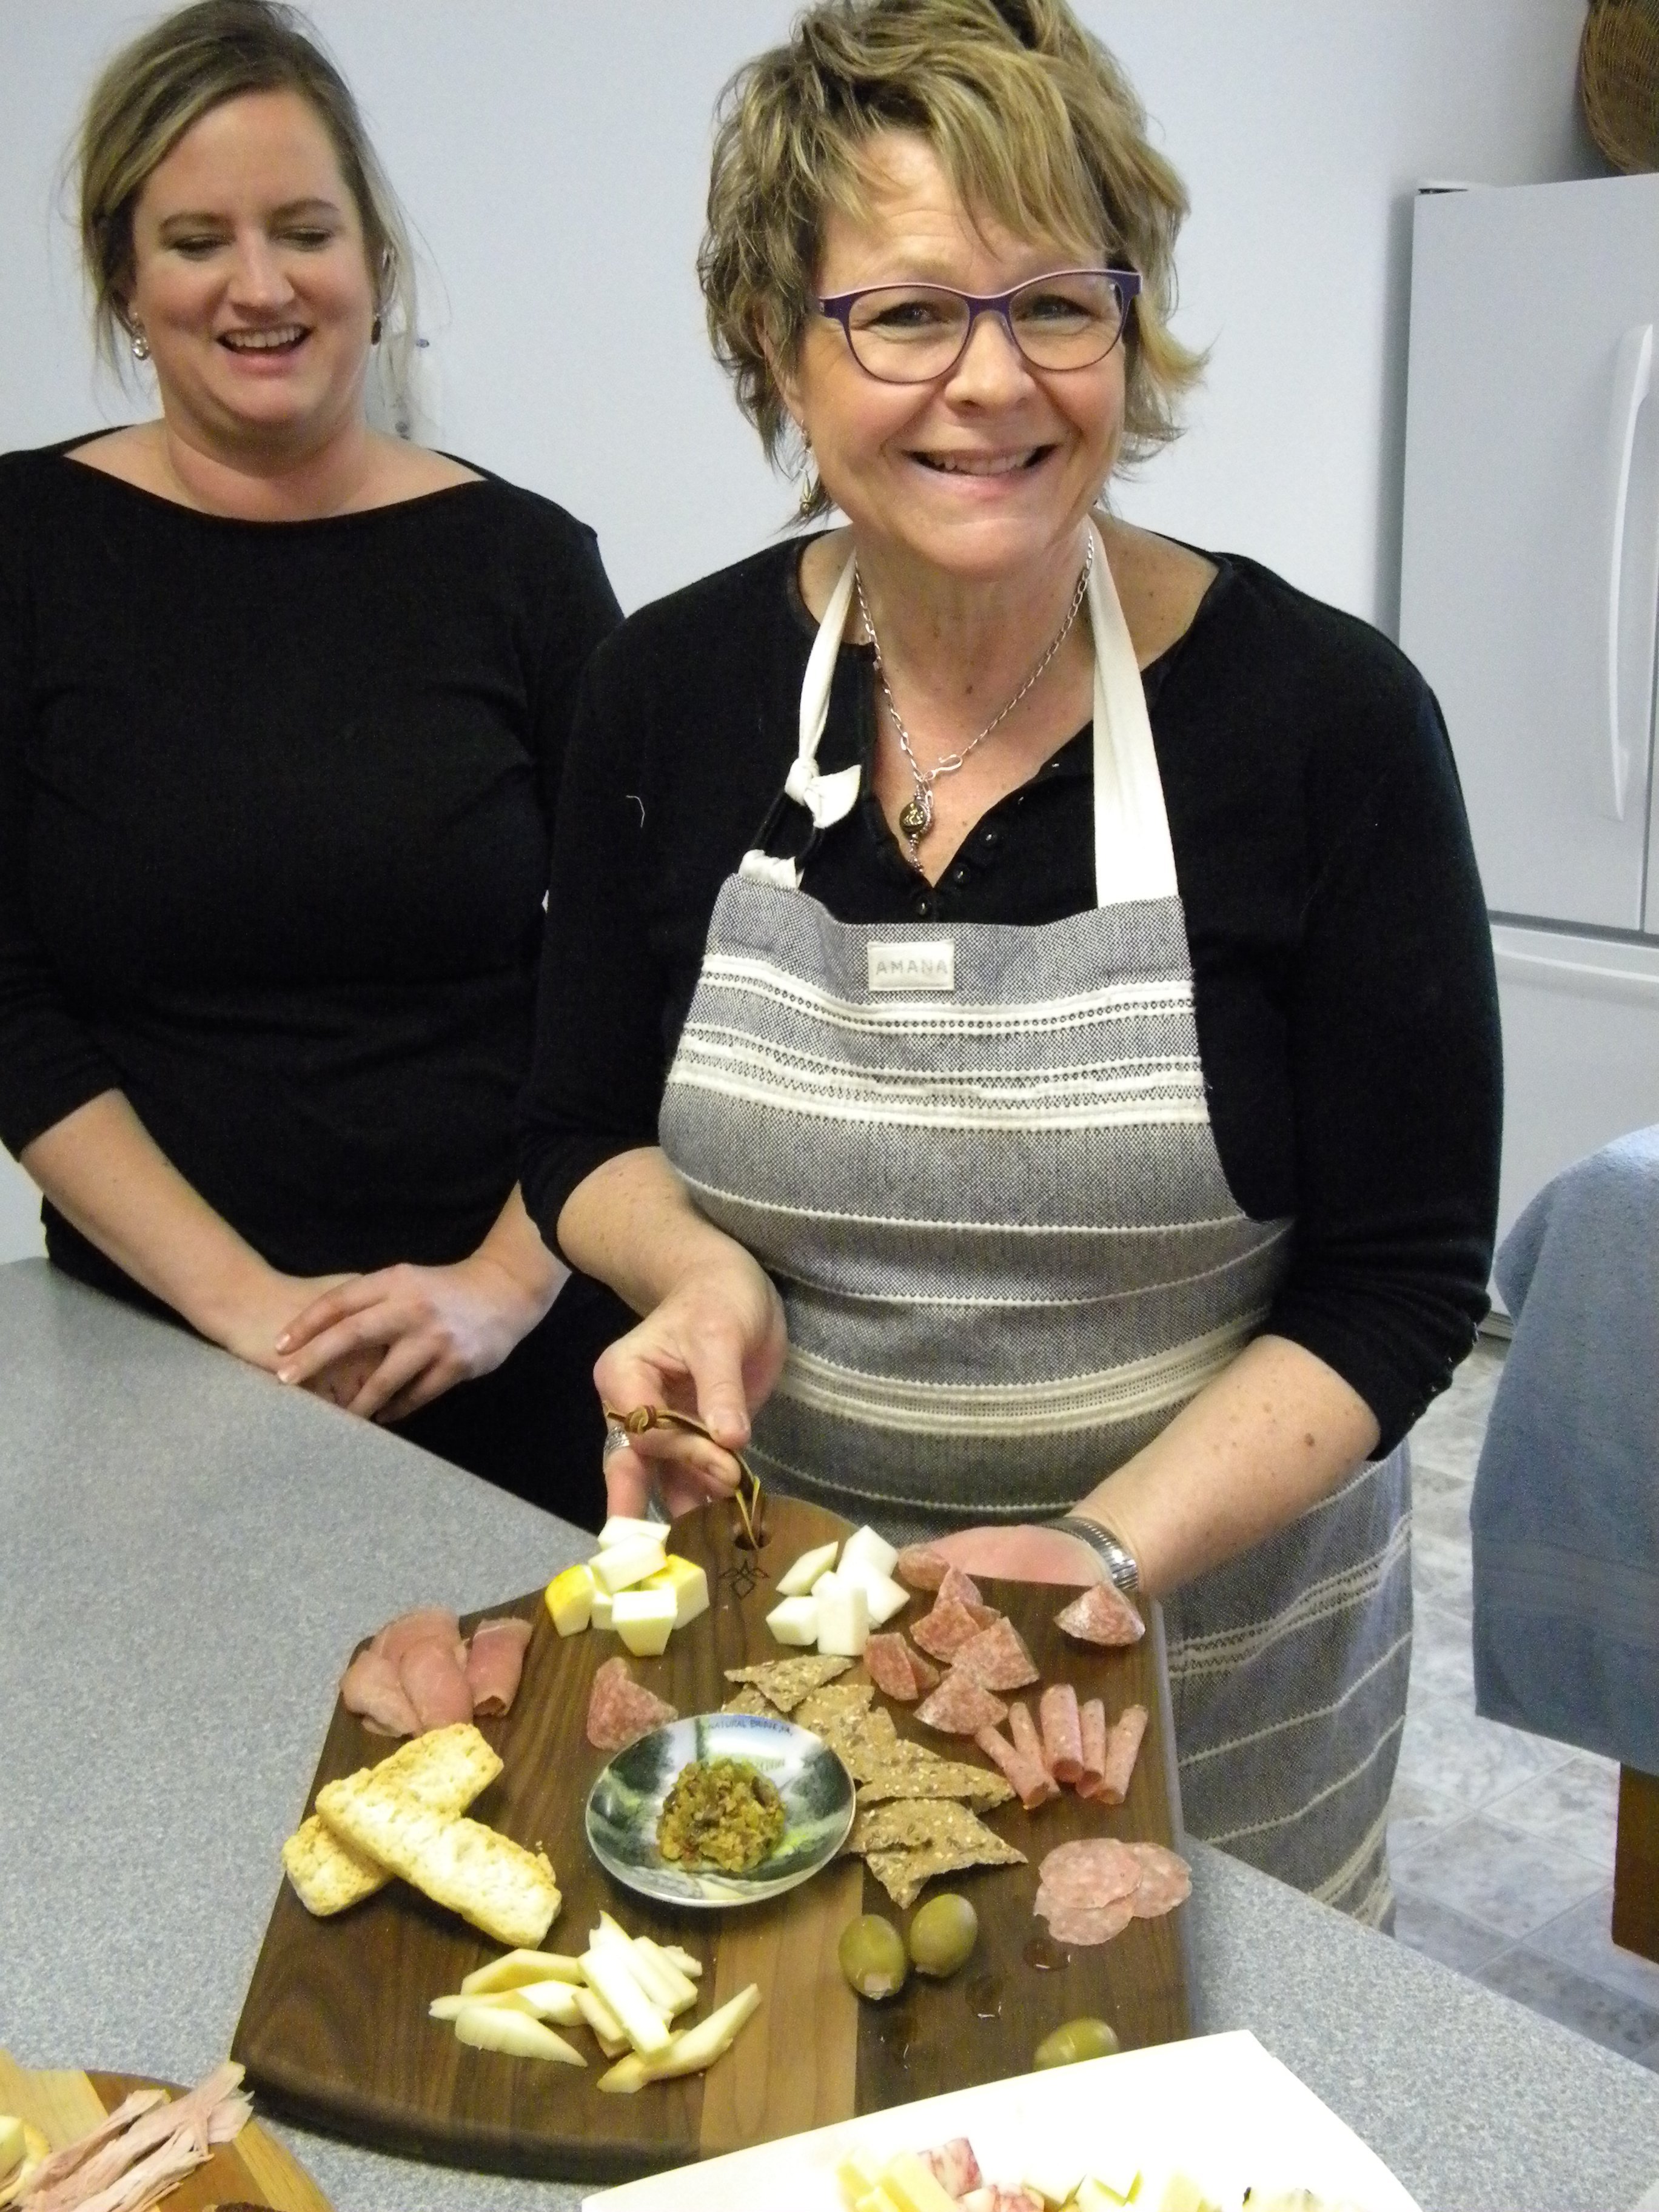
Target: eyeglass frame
837 307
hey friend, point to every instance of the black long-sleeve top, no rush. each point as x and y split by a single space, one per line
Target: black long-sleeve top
275 806
1344 998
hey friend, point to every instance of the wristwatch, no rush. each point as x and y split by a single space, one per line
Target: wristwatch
1117 1559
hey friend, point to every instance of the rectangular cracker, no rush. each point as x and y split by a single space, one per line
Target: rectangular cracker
443 1770
494 1883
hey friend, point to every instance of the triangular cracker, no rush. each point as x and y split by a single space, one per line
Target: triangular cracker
786 1681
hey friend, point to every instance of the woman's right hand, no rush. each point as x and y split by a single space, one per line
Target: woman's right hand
714 1346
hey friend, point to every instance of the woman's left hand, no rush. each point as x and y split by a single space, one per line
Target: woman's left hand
1022 1553
424 1328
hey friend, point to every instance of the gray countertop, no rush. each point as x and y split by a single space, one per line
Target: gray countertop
187 1552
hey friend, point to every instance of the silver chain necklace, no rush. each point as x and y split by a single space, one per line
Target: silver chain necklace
917 815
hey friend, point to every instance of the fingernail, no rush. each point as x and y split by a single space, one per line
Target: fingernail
283 1341
285 1374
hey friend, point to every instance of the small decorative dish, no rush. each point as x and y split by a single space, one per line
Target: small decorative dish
625 1808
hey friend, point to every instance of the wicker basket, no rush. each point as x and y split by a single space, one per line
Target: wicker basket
1619 80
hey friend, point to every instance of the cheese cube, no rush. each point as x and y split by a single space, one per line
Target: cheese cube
795 1621
688 1583
866 1546
600 1616
799 1578
618 1529
644 1620
625 1564
884 1596
843 1617
856 2175
569 1598
912 2187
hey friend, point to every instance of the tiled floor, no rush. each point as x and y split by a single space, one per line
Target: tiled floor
1501 1843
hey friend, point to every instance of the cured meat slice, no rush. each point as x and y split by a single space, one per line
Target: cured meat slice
371 1689
1083 1924
1093 1717
428 1623
99 2177
1024 1730
434 1683
1029 1777
494 1661
953 2165
961 1587
997 1657
1062 1732
59 2164
918 1567
887 1662
1121 1747
960 1707
1166 1880
926 1674
619 1709
945 1630
1102 1615
1096 1871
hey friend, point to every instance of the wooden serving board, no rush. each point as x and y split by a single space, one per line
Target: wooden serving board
335 2030
254 2169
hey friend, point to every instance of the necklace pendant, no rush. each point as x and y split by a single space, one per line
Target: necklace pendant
916 816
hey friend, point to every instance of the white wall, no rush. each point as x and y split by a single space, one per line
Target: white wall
552 153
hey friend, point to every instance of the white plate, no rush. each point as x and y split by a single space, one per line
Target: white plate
1217 2108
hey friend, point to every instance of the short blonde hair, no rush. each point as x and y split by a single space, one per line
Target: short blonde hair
167 80
1031 119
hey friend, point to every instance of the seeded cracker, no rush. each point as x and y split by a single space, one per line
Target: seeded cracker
786 1681
909 1825
901 1873
937 1777
864 1742
750 1700
836 1704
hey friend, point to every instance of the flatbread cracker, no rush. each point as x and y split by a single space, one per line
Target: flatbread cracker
443 1770
912 1824
786 1681
837 1701
864 1742
901 1873
936 1778
750 1700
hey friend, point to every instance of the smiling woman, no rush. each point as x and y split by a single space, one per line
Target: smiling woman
1017 1018
283 706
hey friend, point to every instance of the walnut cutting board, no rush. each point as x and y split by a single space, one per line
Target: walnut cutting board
335 2031
254 2169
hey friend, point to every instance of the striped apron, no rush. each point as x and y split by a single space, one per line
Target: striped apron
980 1168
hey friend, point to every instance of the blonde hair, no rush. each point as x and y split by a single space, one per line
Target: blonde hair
1033 122
167 80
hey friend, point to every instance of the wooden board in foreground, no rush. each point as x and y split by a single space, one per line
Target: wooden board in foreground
254 2169
334 2031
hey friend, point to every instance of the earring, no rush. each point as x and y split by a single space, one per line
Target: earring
374 331
140 346
810 491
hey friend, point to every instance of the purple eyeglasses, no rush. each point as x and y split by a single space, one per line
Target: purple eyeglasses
913 333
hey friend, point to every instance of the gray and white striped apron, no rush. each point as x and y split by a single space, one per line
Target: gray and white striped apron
979 1167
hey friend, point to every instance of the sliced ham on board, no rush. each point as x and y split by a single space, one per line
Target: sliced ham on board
426 1624
371 1688
434 1681
494 1661
619 1709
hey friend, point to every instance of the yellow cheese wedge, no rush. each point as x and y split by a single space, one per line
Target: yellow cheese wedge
644 1620
688 1583
515 1968
570 1600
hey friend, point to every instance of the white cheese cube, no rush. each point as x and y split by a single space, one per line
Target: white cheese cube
619 1530
864 1544
688 1583
795 1621
628 1563
884 1596
799 1578
644 1620
600 1616
843 1617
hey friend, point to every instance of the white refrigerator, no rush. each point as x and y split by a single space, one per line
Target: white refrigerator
1528 592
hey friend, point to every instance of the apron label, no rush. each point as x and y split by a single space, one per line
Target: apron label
913 967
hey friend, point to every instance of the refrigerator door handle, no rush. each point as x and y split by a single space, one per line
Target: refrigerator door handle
1632 379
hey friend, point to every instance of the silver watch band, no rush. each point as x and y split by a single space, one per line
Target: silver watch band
1117 1559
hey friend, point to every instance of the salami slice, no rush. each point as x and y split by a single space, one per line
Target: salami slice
1024 1730
620 1709
945 1630
1166 1880
1096 1871
961 1587
1084 1924
926 1674
1102 1615
997 1657
1094 1748
887 1662
1029 1777
960 1707
1122 1746
1062 1732
918 1567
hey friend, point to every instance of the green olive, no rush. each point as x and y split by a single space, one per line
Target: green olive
872 1955
943 1935
1078 2038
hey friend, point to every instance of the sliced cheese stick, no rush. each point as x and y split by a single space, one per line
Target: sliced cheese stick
493 2028
689 2051
664 1986
515 1967
680 1990
503 2000
687 1961
610 1973
607 2028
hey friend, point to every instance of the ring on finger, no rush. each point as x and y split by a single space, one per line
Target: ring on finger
616 1439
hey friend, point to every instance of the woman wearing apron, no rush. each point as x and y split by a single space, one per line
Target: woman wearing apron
1005 1103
